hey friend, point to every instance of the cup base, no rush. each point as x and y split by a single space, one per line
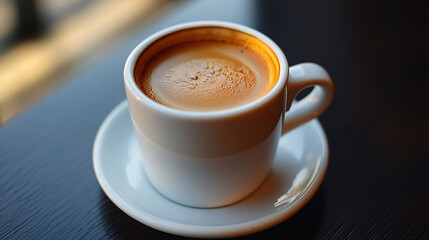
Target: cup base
207 182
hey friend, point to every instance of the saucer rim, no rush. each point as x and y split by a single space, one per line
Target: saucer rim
202 231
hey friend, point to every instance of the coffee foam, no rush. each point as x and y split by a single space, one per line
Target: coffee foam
206 74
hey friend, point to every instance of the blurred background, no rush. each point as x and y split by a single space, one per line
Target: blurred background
42 41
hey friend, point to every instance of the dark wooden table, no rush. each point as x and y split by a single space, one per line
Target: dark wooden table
377 184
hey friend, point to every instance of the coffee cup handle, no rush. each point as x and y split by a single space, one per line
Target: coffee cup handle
317 101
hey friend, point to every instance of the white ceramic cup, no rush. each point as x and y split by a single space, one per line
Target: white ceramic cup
212 159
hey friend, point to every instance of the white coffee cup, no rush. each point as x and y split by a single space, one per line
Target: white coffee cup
212 159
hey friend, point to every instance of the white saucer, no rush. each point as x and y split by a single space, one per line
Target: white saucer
298 170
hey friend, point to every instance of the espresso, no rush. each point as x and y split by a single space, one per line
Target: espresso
206 70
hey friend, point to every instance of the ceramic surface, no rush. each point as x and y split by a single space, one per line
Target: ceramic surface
297 172
213 159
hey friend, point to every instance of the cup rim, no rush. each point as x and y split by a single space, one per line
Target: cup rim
130 82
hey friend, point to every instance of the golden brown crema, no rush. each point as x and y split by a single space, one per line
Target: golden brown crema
206 69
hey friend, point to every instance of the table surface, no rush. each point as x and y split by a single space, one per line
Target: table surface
376 186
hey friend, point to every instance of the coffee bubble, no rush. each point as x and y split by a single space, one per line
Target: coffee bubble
206 76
